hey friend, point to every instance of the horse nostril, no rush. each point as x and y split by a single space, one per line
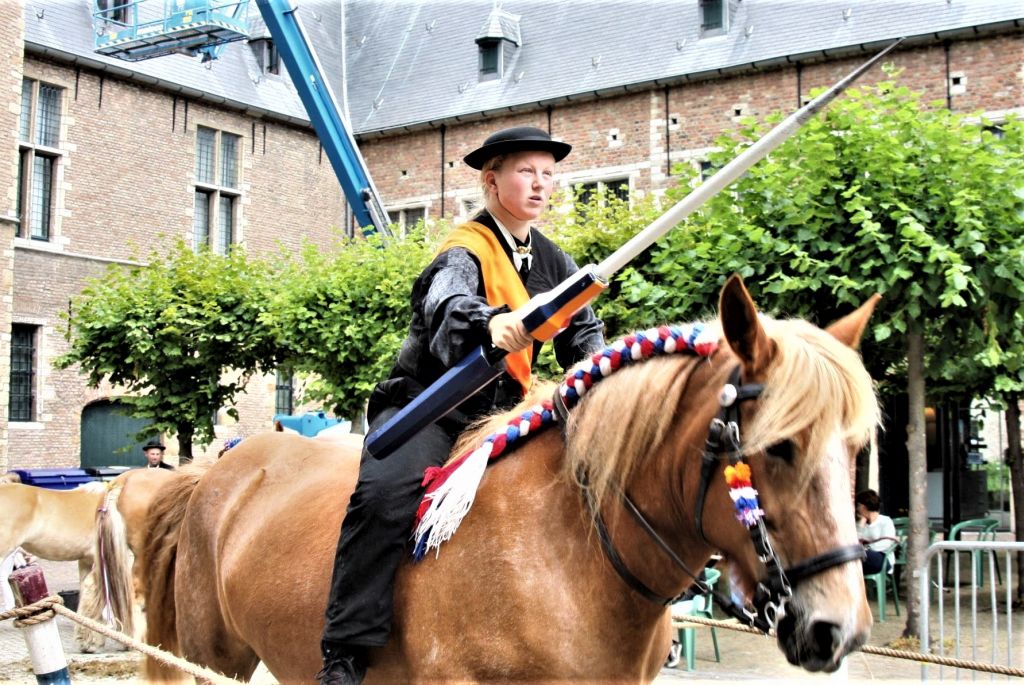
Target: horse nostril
827 638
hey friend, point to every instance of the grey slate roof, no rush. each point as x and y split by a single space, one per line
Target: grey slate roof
403 64
423 67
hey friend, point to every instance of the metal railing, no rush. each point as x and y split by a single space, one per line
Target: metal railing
994 640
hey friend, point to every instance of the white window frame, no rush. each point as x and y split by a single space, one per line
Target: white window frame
218 193
29 150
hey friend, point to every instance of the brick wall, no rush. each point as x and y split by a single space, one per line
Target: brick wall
12 30
129 167
125 192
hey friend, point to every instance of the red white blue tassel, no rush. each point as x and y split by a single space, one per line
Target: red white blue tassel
451 489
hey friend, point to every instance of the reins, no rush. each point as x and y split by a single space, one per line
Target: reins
724 438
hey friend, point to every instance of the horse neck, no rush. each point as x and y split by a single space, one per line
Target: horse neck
664 486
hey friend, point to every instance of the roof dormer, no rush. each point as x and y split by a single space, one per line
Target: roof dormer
497 41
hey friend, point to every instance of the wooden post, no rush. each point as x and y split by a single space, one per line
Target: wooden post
43 640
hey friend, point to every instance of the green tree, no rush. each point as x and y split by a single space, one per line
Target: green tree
181 335
880 193
341 316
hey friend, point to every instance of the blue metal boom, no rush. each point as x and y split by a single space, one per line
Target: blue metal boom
315 92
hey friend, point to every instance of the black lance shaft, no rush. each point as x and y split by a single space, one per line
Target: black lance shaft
545 314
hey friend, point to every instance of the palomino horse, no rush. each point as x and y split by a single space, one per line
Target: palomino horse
61 525
524 591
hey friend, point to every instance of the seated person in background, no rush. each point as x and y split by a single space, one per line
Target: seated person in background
876 532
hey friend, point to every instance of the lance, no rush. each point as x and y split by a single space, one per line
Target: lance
546 314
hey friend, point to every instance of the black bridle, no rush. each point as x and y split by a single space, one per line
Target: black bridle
776 588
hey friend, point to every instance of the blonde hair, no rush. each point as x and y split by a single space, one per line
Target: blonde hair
493 164
814 386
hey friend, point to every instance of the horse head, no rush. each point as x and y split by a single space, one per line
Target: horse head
813 409
742 445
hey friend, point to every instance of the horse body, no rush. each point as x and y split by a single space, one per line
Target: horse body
61 525
524 591
51 524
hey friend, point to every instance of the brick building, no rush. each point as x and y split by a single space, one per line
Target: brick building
120 162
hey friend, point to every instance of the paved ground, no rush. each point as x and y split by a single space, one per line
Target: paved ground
744 657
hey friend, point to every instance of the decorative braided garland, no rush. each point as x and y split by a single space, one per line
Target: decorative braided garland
450 489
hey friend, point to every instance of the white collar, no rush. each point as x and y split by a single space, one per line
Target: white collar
517 256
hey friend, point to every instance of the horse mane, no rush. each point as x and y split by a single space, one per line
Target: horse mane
813 386
161 552
474 435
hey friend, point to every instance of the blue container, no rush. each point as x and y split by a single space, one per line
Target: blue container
308 424
54 479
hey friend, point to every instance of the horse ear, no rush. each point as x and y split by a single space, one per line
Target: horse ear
849 329
741 326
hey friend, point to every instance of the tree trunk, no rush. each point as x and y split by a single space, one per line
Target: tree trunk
1013 458
917 538
184 443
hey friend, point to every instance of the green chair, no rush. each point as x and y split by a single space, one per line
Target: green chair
986 531
883 580
699 605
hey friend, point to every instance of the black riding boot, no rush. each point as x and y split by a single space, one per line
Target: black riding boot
343 665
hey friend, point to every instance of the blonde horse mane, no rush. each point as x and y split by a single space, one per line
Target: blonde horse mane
161 552
814 386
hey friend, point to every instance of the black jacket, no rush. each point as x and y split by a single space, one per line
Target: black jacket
449 320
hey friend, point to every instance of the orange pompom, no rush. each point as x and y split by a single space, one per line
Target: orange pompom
743 472
730 476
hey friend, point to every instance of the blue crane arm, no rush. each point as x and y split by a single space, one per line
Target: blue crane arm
315 92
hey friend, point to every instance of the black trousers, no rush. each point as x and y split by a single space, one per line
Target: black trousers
873 561
375 536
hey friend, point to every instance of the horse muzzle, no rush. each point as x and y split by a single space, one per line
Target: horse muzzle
816 644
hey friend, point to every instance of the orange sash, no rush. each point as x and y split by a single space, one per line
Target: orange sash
502 284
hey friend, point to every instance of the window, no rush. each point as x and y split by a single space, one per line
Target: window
490 59
23 372
39 143
707 170
470 206
267 56
996 130
115 11
407 217
284 392
618 188
713 17
217 191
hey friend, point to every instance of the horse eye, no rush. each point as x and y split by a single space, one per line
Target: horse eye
781 450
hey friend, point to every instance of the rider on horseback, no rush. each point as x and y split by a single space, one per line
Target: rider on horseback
485 268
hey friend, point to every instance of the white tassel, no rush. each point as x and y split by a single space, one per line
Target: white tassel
450 503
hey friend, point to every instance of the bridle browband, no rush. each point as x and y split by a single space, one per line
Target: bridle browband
776 588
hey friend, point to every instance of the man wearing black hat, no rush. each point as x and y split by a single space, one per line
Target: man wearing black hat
154 453
485 269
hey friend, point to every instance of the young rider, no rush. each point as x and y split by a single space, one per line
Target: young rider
485 269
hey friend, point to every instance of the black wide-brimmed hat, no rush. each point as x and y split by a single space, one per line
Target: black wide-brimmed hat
153 444
518 139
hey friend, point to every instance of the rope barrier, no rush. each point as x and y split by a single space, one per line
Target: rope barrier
920 657
40 612
46 608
